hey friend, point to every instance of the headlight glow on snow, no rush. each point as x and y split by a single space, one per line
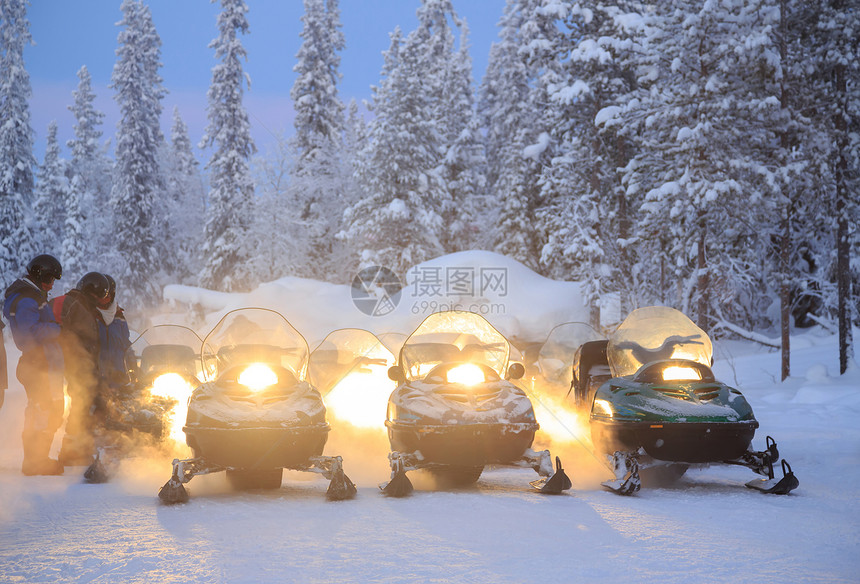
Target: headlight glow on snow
602 407
677 373
258 377
174 386
466 374
169 385
360 398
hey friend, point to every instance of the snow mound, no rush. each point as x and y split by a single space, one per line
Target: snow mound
519 302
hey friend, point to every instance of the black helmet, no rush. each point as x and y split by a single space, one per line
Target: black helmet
111 288
42 267
94 284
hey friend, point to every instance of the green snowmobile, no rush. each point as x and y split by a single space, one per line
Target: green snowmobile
655 406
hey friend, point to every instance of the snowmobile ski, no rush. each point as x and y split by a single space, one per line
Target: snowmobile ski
96 473
399 485
340 486
555 484
173 490
626 468
774 486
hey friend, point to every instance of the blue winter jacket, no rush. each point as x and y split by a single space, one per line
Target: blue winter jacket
32 322
113 346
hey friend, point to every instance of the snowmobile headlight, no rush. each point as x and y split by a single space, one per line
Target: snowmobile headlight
466 374
603 408
258 377
679 373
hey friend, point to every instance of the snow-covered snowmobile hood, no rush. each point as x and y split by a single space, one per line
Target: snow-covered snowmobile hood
645 396
494 402
232 407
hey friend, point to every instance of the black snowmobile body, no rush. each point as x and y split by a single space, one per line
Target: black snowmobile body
256 414
456 408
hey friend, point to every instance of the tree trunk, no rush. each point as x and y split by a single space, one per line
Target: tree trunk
785 241
704 278
843 273
785 294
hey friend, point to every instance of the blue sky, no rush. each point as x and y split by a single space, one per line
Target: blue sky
68 35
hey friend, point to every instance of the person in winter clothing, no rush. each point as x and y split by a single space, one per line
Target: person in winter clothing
4 375
80 342
40 368
114 341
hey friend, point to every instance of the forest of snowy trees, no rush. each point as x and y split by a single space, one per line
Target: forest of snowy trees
703 154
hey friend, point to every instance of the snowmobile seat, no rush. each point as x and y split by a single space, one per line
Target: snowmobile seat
590 370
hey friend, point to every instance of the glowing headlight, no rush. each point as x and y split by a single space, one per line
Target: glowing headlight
603 408
681 374
467 374
170 385
257 377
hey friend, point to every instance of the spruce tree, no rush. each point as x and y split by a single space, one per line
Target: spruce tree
586 211
318 177
51 194
464 163
16 142
89 227
396 223
231 189
515 110
184 206
138 186
698 123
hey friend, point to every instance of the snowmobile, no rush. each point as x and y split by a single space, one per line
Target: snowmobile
163 367
556 355
350 369
256 414
654 405
456 410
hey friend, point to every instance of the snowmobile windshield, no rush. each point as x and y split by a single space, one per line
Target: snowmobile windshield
167 348
556 355
454 337
656 333
345 352
254 335
350 369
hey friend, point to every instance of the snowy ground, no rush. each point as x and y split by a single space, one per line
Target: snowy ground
707 528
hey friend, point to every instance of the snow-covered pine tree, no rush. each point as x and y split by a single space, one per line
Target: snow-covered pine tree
16 142
516 112
834 44
320 171
138 187
89 222
586 211
279 238
699 124
446 72
396 223
786 267
231 189
74 251
52 188
185 203
464 164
